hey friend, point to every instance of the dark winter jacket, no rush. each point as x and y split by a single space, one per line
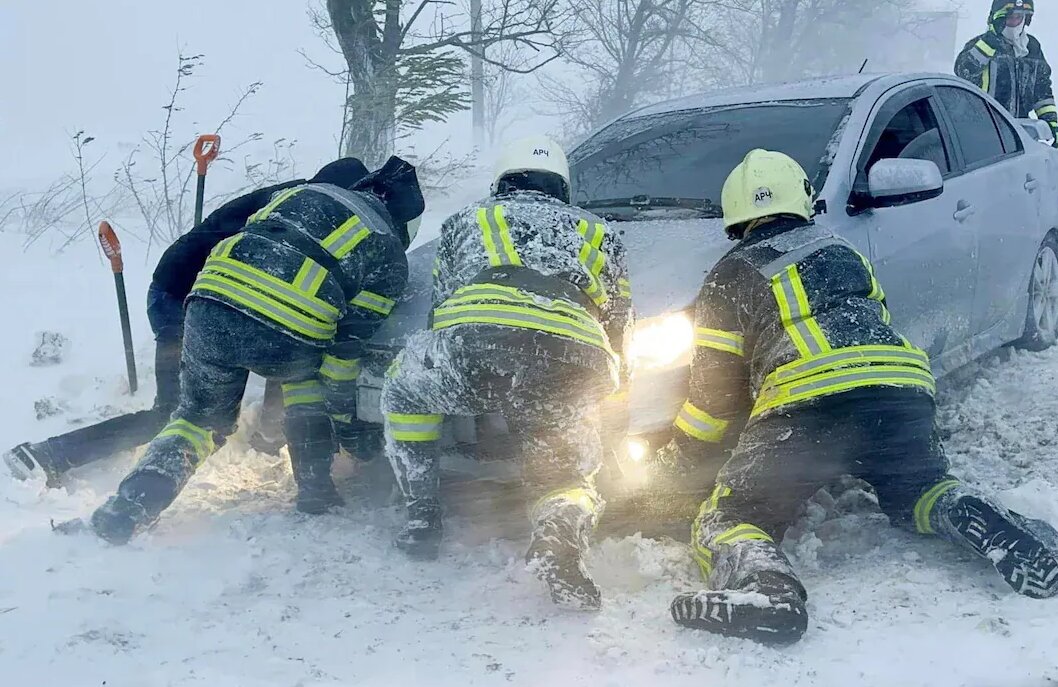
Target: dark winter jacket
180 263
1021 84
322 264
536 276
792 314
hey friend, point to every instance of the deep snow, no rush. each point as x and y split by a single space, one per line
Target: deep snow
233 588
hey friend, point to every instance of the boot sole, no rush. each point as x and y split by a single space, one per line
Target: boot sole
766 620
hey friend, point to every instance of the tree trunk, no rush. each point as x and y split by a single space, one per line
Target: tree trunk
371 112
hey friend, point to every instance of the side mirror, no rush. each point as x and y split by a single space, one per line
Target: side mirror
1037 130
893 182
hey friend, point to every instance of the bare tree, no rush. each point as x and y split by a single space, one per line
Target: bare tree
163 194
405 60
503 92
625 52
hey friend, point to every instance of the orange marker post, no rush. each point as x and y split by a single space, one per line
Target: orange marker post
108 239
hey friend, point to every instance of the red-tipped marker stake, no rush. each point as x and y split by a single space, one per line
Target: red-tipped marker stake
112 249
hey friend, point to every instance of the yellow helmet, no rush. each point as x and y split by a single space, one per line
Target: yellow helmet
766 184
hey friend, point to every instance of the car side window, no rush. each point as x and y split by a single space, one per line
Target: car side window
913 133
979 139
1011 140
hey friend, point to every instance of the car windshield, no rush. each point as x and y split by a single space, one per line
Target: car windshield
679 160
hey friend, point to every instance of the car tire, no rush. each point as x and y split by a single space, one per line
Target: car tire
1041 322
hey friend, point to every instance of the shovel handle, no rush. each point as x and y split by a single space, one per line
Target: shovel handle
108 239
207 147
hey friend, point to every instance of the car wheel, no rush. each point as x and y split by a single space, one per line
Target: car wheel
1041 326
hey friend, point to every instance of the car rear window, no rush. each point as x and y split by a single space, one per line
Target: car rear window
689 154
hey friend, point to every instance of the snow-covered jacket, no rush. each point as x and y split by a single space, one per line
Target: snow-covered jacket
792 314
1021 84
537 276
321 264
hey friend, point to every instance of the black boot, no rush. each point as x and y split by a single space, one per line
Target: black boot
556 556
768 607
316 491
140 500
27 460
420 538
312 451
1024 551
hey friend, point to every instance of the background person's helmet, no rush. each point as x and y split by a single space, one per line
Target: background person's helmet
765 184
1001 9
533 164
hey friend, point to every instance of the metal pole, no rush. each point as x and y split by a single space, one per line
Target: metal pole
108 239
199 193
126 331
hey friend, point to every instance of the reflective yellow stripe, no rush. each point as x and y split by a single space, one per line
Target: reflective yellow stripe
223 249
302 393
272 286
986 79
585 499
474 293
730 342
592 258
374 302
267 210
310 277
340 369
702 555
200 438
704 558
1046 110
414 428
593 233
344 240
505 236
796 314
496 236
846 357
698 424
720 491
984 47
268 307
625 288
521 317
843 380
742 532
925 504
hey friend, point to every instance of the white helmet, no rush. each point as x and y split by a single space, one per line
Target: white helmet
532 154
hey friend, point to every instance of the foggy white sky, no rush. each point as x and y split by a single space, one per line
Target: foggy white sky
106 66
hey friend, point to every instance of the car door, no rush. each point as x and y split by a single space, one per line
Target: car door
1006 193
924 253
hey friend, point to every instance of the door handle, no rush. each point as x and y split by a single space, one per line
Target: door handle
1031 184
963 211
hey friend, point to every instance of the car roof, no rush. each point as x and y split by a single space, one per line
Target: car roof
808 89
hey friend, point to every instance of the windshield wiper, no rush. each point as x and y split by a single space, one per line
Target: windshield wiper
702 207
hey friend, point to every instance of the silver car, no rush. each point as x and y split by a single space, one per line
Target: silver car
955 202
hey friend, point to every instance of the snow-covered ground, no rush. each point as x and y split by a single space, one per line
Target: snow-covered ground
233 588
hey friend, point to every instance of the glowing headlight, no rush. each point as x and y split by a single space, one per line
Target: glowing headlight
662 341
637 449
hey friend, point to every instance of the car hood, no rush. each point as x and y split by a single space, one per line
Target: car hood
667 261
